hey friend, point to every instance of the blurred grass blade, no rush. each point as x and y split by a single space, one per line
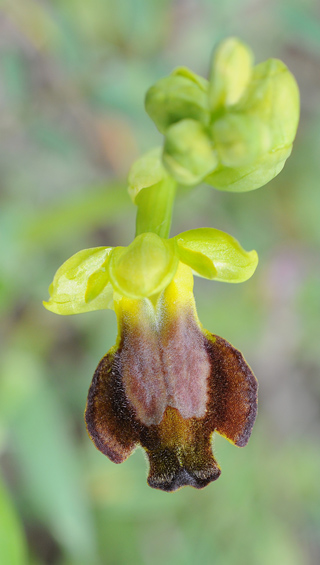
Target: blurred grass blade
50 470
12 543
77 215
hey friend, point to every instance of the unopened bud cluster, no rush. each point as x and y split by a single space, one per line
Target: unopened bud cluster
234 131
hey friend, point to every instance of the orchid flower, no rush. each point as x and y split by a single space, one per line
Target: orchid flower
167 384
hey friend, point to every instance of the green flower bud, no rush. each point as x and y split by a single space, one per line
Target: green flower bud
234 132
240 139
188 153
176 97
250 177
230 73
273 96
190 75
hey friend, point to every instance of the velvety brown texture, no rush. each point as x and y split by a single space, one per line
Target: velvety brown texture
179 449
233 392
163 362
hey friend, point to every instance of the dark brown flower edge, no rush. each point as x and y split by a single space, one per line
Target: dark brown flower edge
178 449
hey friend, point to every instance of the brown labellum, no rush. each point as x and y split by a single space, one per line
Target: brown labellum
170 398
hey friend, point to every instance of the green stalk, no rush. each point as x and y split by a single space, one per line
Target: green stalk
155 205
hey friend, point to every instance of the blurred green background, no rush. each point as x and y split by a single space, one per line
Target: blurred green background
73 75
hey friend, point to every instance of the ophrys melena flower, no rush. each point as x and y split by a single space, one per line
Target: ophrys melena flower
167 384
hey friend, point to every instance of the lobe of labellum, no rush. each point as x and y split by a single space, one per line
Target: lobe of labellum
179 452
186 363
232 407
140 361
108 415
178 446
163 357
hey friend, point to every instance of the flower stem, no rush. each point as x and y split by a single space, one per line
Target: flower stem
155 205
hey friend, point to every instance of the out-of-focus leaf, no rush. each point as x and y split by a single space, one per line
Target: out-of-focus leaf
34 21
300 21
12 542
49 468
14 77
81 214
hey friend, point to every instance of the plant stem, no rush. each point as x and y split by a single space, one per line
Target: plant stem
155 205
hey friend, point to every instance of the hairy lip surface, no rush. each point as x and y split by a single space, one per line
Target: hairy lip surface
164 364
178 448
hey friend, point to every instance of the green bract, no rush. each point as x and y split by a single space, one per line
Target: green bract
235 131
88 280
152 189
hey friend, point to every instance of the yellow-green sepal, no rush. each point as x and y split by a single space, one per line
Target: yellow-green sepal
229 262
76 288
145 267
176 97
230 73
188 153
